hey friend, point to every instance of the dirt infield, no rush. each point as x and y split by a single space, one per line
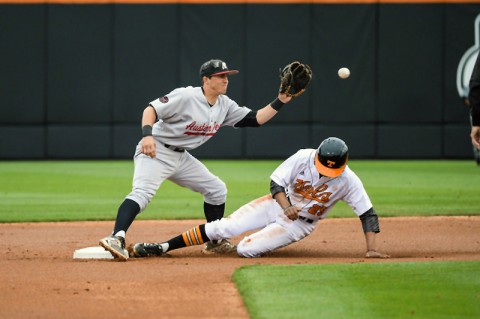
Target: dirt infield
40 279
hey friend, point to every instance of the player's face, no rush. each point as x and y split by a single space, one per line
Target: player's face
218 83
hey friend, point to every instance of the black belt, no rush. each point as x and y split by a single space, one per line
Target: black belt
308 220
174 148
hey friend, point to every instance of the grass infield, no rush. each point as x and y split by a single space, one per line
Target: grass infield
363 290
93 190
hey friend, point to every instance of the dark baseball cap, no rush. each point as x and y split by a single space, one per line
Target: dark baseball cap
215 67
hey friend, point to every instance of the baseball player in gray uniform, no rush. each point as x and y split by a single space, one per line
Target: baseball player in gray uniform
172 125
303 190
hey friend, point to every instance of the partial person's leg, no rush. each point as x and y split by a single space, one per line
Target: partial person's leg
126 214
195 176
256 214
193 236
149 174
276 235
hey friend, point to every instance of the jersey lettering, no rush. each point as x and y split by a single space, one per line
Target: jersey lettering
317 210
306 189
201 129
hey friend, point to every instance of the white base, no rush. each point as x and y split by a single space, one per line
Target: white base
92 253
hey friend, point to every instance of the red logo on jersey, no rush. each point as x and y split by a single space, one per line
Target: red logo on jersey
201 129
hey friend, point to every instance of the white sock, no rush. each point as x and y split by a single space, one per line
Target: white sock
165 247
120 234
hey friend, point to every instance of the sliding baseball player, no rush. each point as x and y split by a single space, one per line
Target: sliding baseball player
303 190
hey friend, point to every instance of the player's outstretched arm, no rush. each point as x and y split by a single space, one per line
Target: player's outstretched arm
266 113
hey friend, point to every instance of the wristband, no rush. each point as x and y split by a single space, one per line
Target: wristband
147 130
287 207
277 104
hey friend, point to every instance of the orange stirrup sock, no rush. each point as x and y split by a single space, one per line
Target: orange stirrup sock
194 236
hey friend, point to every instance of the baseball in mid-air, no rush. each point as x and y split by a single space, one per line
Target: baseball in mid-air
343 73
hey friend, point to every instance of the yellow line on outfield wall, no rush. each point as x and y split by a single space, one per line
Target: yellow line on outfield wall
231 1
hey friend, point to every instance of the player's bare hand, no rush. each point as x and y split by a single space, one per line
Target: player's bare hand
284 98
149 146
375 254
291 212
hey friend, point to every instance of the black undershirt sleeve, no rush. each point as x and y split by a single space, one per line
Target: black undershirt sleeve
250 120
275 188
370 221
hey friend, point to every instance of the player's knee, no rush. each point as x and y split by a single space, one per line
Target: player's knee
141 197
241 250
218 195
244 250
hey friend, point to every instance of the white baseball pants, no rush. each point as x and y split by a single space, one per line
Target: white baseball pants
276 229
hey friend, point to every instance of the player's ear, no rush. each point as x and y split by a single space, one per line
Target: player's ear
204 79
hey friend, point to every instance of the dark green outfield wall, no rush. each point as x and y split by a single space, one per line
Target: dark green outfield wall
74 79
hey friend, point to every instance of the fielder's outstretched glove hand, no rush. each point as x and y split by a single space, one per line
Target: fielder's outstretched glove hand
294 78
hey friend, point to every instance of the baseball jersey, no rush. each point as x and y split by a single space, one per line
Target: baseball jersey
187 120
316 195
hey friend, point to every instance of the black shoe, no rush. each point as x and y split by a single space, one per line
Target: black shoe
141 250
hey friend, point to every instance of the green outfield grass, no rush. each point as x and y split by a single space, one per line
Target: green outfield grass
93 190
432 290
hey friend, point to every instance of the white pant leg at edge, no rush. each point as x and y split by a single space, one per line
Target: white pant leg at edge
280 233
256 214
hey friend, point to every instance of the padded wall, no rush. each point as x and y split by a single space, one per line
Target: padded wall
79 64
22 64
76 78
145 57
22 81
